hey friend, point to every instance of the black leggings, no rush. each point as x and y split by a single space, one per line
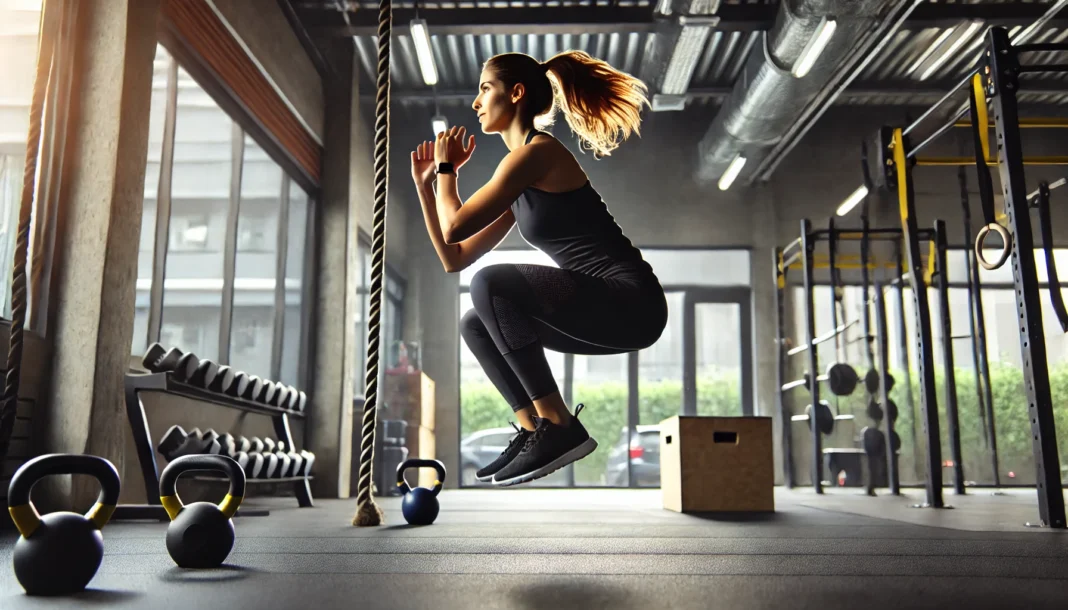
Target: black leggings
521 309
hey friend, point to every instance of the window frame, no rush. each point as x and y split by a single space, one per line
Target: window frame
164 209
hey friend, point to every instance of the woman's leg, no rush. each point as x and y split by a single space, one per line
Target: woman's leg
478 340
526 308
500 374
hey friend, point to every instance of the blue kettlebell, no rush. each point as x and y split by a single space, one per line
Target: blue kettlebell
420 505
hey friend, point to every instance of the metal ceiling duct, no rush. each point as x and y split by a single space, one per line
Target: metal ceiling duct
767 98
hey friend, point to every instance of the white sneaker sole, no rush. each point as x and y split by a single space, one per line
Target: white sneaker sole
486 479
574 455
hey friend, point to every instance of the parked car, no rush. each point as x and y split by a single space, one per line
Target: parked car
479 449
644 455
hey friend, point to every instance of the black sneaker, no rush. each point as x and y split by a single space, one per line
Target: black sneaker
548 449
515 445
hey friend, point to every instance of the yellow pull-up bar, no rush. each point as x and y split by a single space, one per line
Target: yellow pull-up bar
1052 123
966 161
1026 123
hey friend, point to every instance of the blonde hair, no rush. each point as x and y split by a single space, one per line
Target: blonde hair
602 105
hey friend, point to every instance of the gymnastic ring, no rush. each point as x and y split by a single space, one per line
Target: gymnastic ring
1006 240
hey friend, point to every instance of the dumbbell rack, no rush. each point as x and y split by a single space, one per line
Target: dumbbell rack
166 383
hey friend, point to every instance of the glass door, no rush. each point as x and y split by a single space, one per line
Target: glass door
717 359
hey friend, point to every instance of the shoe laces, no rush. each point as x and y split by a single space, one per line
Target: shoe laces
540 426
518 435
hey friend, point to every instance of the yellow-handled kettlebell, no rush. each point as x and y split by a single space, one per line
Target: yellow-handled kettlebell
201 535
59 553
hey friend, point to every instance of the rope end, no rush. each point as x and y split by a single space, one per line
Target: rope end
368 515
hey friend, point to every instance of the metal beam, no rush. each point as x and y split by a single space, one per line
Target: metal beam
558 20
894 92
325 21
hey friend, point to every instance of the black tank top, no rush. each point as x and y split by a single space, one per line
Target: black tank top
577 231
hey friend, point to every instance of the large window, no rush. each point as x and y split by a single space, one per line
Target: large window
19 28
223 239
708 300
391 323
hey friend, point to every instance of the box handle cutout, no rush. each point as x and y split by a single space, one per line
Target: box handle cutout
725 437
667 440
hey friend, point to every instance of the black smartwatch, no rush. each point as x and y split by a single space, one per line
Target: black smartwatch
445 168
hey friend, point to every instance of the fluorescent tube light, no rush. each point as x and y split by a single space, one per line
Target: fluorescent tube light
421 39
735 168
815 47
852 201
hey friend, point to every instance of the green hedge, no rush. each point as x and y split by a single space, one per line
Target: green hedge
606 411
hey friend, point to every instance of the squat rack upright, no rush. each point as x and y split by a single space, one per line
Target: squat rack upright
997 82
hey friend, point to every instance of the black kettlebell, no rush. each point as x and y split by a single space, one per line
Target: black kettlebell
59 553
420 504
201 535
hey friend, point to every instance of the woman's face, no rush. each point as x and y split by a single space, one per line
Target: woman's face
495 106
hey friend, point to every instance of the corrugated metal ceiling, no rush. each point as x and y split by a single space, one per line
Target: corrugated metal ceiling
887 80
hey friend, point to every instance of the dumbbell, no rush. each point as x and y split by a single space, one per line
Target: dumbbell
254 467
212 437
285 463
171 441
253 389
297 467
224 378
187 366
239 385
291 398
204 374
256 445
270 466
269 446
302 403
225 441
176 443
152 356
173 361
309 459
159 359
267 392
281 397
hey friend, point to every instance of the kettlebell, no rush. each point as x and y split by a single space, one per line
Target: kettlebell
420 505
201 535
59 553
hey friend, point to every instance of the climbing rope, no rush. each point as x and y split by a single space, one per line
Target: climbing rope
9 402
367 512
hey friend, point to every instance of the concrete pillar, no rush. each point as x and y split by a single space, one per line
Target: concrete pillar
761 280
329 430
95 266
435 322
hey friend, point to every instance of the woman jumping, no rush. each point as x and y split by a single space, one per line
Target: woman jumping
603 299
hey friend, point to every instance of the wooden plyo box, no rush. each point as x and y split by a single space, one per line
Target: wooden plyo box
717 464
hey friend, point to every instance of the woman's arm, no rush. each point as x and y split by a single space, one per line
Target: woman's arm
457 257
459 221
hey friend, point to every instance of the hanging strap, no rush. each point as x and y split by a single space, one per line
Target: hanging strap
981 140
832 247
1045 220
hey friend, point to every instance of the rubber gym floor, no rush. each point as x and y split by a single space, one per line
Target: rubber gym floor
537 548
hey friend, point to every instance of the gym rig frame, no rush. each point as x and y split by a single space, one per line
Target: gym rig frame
995 82
801 251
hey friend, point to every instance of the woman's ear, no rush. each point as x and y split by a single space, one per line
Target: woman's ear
518 91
